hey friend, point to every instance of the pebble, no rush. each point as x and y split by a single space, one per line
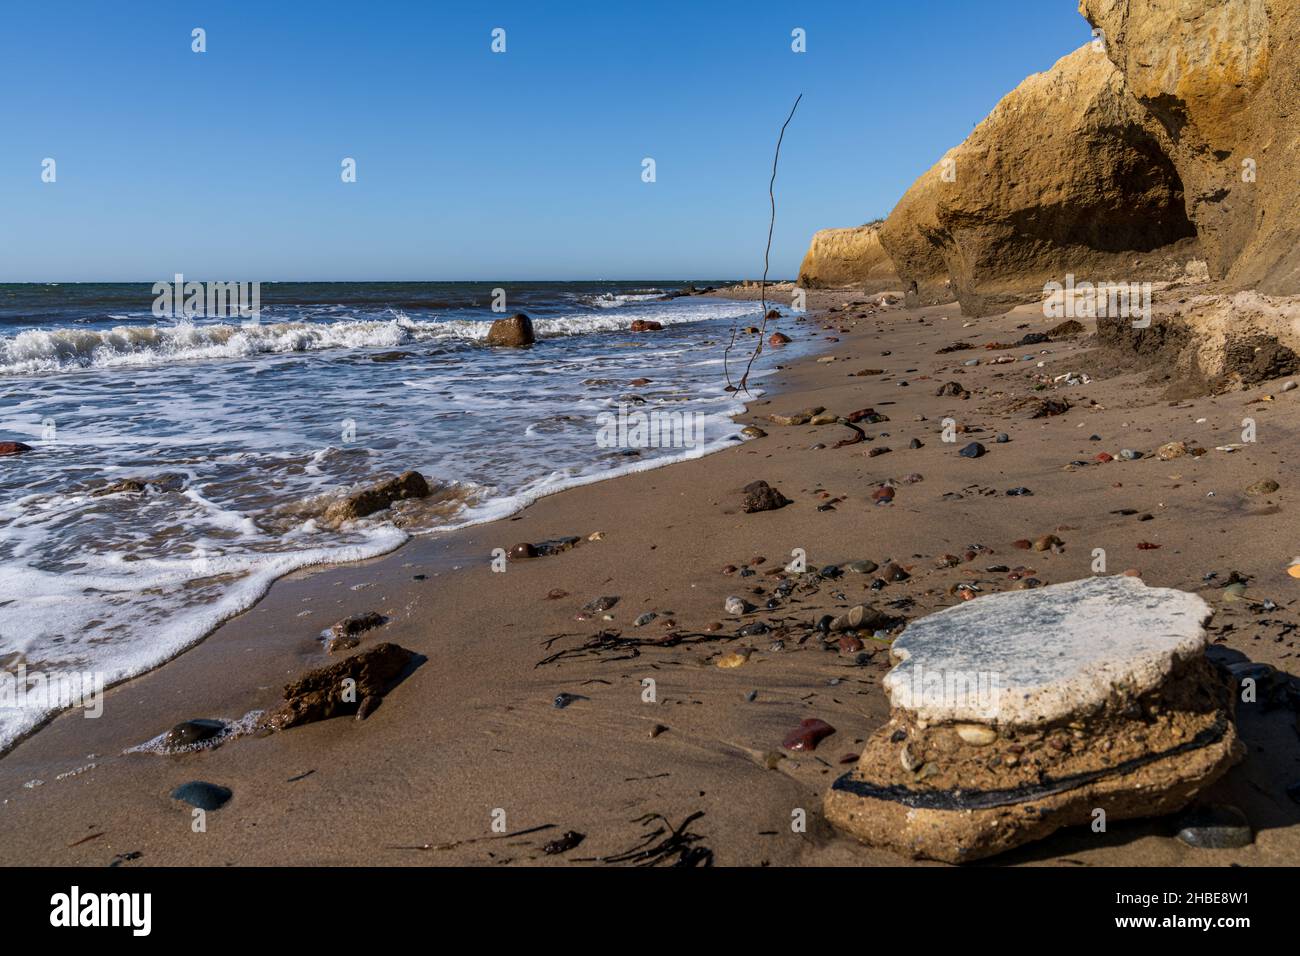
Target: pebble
735 605
976 734
1217 826
1128 454
203 795
734 659
570 839
645 619
191 732
753 431
600 604
1170 451
807 735
894 572
973 450
760 496
753 630
1264 487
1002 438
797 419
862 567
563 700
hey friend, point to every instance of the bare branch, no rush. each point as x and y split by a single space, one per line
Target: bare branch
767 254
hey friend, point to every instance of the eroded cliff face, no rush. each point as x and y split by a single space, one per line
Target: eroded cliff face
1066 175
1221 80
838 258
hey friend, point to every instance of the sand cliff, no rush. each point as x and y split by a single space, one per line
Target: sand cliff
1167 139
848 257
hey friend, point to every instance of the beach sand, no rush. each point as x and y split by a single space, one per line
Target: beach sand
473 730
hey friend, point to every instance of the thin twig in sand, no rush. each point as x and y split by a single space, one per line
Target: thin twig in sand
767 254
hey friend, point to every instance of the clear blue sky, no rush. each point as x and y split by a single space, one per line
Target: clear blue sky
474 165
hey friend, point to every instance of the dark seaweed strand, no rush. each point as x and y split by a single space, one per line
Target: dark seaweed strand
987 799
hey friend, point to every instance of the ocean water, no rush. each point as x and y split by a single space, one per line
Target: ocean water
258 426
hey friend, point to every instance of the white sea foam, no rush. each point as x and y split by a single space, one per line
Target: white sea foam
35 351
250 417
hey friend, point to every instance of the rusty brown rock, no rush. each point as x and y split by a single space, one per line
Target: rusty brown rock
514 332
351 687
377 496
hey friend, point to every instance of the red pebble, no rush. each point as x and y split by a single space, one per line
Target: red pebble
809 734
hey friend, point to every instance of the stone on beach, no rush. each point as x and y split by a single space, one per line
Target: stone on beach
807 735
190 732
168 481
353 686
13 448
378 496
202 795
760 496
514 332
347 633
1017 714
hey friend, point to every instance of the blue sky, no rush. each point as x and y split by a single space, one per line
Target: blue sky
475 165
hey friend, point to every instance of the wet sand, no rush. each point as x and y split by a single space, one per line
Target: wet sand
474 730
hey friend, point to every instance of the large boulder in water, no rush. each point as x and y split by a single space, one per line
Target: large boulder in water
13 448
1066 175
514 332
1020 713
368 499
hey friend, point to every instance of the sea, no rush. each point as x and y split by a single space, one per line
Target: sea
240 430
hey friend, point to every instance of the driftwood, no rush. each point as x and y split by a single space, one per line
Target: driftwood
767 254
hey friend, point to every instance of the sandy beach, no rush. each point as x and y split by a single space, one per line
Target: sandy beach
658 749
